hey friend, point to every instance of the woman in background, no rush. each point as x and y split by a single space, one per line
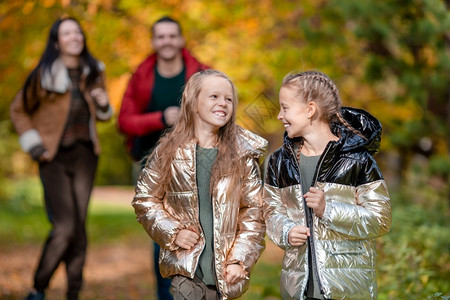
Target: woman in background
54 114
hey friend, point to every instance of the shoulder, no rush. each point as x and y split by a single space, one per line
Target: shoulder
192 64
147 64
279 154
250 144
355 168
357 155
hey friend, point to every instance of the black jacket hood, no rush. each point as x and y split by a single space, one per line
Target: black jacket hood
363 122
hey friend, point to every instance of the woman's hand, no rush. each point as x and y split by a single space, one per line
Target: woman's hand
315 199
100 96
39 153
186 239
234 273
298 235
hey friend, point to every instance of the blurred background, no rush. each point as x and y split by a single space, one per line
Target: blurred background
389 57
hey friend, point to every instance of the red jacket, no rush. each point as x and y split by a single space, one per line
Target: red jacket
133 120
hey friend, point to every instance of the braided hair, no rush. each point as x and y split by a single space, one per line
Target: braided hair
319 88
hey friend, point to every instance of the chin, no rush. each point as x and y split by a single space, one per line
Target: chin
292 135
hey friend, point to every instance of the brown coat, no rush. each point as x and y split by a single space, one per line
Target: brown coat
45 126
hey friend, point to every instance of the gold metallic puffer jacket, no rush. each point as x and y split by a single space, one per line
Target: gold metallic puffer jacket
238 217
357 211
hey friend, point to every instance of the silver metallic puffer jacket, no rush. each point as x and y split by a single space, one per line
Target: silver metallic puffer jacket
238 216
357 211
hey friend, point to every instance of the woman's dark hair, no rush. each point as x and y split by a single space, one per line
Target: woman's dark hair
51 53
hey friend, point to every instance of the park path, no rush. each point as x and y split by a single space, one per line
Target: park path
118 271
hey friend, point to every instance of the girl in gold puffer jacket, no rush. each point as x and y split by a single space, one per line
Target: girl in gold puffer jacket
200 194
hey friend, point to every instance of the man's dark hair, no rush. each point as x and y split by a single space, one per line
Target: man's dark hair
166 19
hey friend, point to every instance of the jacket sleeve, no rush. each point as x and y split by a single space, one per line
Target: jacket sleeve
29 137
369 216
275 212
249 242
149 208
133 120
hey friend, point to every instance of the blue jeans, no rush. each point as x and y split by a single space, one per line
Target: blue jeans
163 284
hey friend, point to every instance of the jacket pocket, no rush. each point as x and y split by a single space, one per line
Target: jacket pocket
346 247
346 255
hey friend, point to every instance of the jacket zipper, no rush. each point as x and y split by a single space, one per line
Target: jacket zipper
313 252
198 204
310 214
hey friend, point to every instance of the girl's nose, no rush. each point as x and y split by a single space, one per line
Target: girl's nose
222 102
280 116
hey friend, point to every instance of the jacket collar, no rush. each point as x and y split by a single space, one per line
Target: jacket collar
56 78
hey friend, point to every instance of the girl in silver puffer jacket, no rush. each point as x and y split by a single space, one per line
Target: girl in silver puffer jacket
325 197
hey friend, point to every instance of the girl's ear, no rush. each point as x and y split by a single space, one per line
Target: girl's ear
312 109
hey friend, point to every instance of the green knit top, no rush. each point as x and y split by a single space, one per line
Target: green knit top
205 158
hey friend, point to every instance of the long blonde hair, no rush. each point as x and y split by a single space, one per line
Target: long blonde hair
183 132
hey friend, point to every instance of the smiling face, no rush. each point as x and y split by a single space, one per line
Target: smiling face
294 113
70 38
167 40
214 104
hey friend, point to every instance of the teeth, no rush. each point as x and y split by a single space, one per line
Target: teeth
220 114
286 125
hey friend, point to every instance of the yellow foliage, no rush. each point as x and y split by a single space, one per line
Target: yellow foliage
429 55
65 3
116 88
48 3
7 23
28 7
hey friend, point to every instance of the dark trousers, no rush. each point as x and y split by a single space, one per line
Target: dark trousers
67 181
162 284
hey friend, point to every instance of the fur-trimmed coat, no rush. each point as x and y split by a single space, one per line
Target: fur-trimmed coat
45 125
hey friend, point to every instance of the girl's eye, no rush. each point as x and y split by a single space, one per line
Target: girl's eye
214 96
229 99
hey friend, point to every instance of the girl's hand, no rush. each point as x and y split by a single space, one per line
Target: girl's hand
315 199
234 273
186 239
298 235
100 96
